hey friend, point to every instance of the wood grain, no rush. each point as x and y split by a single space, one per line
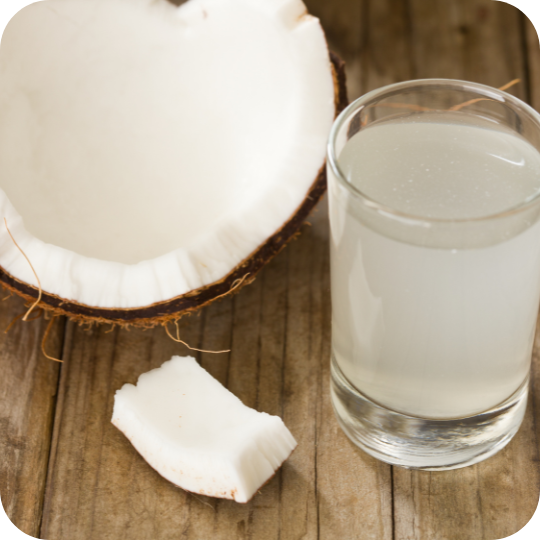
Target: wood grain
533 62
98 487
386 55
27 397
354 489
476 40
344 25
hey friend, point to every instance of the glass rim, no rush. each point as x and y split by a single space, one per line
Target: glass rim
478 88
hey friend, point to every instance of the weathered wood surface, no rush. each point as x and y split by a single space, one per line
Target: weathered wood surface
28 385
68 474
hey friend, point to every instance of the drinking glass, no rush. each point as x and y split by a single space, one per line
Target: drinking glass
434 200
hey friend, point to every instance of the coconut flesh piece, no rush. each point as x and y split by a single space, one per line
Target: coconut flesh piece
148 151
197 434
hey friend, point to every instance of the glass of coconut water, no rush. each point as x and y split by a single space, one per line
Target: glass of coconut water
434 190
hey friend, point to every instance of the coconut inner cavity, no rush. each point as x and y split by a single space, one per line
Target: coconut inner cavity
128 131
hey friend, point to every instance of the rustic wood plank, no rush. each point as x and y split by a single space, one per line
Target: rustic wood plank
98 487
386 54
343 23
354 489
533 62
27 399
256 376
480 41
475 40
301 392
533 55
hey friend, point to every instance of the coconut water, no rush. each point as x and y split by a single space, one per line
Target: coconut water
427 331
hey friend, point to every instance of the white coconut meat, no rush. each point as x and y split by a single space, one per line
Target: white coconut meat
197 434
146 149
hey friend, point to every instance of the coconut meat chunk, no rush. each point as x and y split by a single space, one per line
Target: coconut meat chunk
197 434
146 149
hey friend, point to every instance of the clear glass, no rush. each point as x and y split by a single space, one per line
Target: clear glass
433 312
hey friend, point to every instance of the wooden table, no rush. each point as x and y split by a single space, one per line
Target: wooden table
68 474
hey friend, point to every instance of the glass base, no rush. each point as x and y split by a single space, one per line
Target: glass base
424 443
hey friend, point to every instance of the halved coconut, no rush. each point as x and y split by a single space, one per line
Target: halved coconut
197 434
153 157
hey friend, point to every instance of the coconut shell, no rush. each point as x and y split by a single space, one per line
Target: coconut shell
173 309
